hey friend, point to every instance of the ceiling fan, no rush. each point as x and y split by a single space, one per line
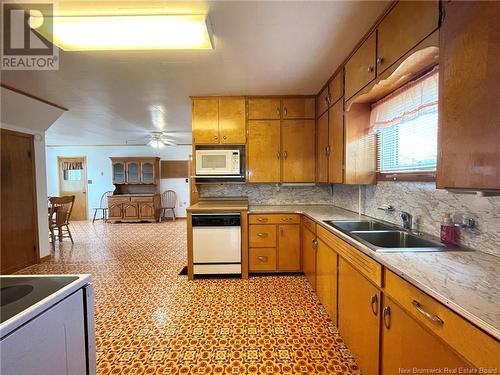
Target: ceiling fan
157 139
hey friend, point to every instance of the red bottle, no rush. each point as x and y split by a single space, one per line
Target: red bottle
449 231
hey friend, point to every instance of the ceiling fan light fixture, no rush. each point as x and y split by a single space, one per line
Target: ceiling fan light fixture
156 143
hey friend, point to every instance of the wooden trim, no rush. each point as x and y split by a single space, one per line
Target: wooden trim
244 244
407 176
7 87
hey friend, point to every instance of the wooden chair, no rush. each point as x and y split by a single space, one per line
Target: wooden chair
103 206
168 202
59 214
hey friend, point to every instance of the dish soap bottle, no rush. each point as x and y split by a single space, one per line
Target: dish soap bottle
449 231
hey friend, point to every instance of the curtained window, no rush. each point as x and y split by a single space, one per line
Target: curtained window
406 124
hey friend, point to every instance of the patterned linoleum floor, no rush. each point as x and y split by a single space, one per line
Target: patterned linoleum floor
150 320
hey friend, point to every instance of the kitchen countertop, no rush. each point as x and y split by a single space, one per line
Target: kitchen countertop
219 205
467 282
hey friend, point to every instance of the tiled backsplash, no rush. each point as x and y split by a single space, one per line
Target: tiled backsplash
427 205
271 194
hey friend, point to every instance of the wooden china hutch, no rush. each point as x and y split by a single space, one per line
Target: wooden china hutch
137 189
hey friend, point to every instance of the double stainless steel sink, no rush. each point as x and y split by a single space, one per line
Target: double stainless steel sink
383 237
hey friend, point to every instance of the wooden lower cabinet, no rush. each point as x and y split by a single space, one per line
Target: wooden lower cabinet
309 247
359 316
274 246
289 247
406 344
126 208
326 278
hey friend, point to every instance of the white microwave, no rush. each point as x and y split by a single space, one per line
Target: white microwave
218 163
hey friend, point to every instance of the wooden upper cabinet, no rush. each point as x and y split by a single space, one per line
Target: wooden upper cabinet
359 311
469 96
147 172
205 121
406 25
336 88
322 149
232 120
298 108
133 172
264 108
360 69
298 151
336 142
322 101
263 151
406 344
119 172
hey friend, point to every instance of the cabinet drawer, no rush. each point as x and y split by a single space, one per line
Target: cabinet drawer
142 199
274 219
474 345
117 200
309 224
363 263
262 259
262 235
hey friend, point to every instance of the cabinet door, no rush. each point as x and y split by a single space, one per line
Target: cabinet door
469 93
322 101
146 210
133 172
326 278
298 150
360 69
336 136
298 108
289 247
264 108
205 121
322 150
263 148
114 211
309 246
417 18
262 259
130 211
406 344
232 120
336 87
119 176
147 173
359 317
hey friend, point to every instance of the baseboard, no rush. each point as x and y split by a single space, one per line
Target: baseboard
45 258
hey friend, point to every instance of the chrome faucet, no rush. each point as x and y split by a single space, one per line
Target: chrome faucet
407 220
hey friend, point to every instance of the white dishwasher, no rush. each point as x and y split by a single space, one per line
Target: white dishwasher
216 243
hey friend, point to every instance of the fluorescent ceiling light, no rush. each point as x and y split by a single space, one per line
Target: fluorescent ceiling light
131 32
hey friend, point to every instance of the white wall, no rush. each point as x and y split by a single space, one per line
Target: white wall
41 187
99 169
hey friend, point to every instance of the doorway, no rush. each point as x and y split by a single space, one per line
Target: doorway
19 206
73 181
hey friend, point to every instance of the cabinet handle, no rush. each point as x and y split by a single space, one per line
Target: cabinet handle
371 69
432 317
278 154
262 235
285 154
327 101
314 243
262 219
278 111
286 219
216 137
262 259
374 304
380 61
386 317
285 111
327 150
224 137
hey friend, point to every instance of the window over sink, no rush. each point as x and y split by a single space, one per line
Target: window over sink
406 125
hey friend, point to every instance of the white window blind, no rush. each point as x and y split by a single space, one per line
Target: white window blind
406 124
